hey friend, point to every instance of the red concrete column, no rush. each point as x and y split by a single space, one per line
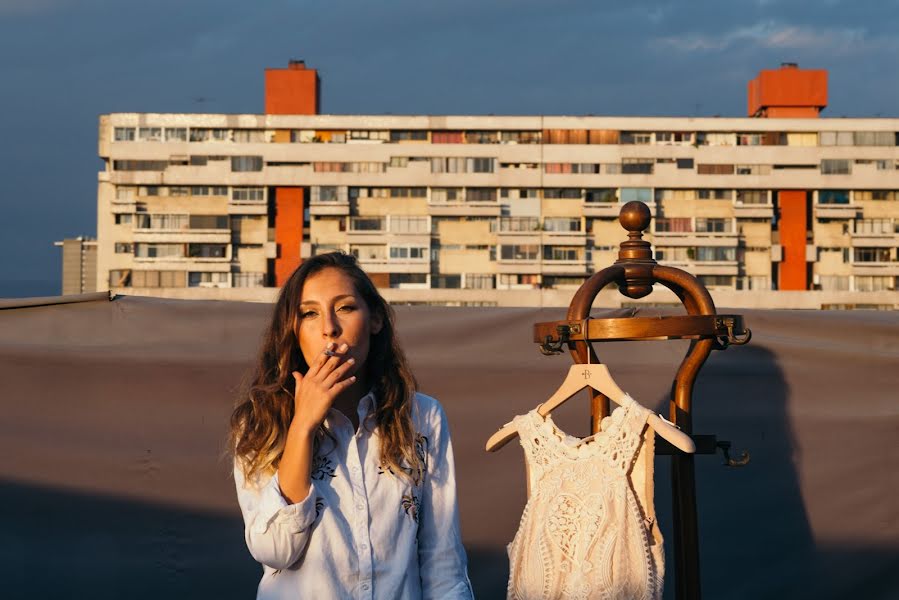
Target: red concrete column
288 231
792 272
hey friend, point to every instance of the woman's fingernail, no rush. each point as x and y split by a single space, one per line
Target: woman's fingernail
350 361
353 378
343 347
330 346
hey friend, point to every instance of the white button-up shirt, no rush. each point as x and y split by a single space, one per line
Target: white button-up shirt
362 533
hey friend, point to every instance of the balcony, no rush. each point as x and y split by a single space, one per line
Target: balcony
564 267
754 211
836 211
200 236
329 208
247 207
394 265
601 209
463 209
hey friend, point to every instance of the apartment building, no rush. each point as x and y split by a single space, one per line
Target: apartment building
503 210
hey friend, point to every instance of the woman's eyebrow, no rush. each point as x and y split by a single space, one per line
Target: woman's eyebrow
334 299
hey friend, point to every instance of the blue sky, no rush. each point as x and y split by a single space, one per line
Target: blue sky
64 62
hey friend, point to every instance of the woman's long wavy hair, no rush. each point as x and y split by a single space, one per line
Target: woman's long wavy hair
265 407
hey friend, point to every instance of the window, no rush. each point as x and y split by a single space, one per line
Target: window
149 134
246 163
218 190
248 194
871 255
874 226
836 167
405 192
873 138
124 134
157 279
834 283
480 195
716 280
684 163
637 166
409 136
253 136
199 190
368 224
518 252
874 283
520 137
124 193
209 222
481 165
446 194
709 169
124 248
140 165
716 138
156 221
715 254
636 137
516 224
446 281
562 224
752 197
203 279
199 135
121 219
175 134
563 193
120 278
601 195
709 225
142 250
481 137
446 137
207 250
398 280
244 280
567 253
833 197
676 138
479 281
837 138
403 224
673 225
408 253
640 194
716 195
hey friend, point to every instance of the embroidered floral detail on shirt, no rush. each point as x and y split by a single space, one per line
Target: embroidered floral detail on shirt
411 506
421 449
319 506
322 466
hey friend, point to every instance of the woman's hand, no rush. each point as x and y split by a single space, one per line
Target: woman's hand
316 391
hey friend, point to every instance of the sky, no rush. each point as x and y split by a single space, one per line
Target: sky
64 62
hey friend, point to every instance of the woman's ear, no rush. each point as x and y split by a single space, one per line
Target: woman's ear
377 322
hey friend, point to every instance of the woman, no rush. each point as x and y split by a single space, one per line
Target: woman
344 472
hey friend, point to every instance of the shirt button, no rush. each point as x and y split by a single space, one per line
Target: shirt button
365 586
365 546
359 507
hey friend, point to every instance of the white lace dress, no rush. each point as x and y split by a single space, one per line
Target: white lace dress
588 530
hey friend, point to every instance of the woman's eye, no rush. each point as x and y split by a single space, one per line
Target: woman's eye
308 314
347 308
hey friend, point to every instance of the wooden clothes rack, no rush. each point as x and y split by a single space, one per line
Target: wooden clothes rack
635 272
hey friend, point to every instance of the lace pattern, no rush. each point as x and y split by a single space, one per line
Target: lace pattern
583 533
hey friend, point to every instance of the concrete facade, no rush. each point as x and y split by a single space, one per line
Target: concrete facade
497 209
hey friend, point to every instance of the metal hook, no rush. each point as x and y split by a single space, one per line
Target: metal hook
732 462
549 347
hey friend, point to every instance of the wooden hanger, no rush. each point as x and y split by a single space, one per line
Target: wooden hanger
598 377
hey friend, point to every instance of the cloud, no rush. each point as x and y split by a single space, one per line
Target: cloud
780 36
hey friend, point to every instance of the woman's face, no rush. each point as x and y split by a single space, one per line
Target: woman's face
331 310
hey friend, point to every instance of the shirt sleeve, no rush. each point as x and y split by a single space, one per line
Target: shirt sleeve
277 533
441 556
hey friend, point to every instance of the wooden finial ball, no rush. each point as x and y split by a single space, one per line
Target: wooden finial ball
635 216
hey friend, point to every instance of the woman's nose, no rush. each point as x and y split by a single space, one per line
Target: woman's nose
330 327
